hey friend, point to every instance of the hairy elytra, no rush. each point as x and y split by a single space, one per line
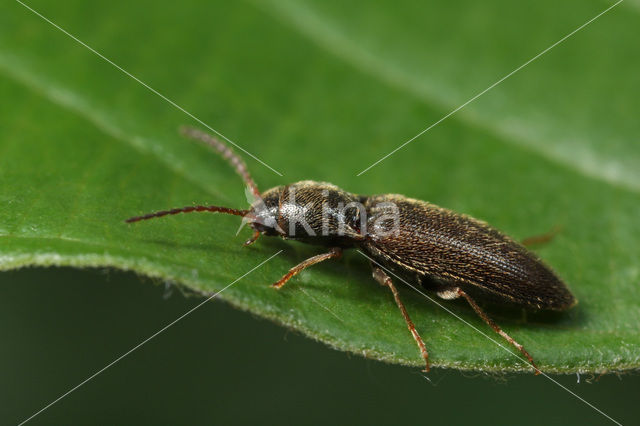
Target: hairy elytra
452 254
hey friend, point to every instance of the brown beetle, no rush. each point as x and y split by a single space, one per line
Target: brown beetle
449 253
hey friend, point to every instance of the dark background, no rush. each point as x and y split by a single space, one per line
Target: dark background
223 366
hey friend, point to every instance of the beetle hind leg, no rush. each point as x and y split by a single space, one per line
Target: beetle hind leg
384 279
542 238
497 329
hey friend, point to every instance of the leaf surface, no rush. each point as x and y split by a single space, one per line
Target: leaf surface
321 90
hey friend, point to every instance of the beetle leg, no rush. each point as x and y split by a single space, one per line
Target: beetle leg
497 329
541 239
335 252
254 237
384 279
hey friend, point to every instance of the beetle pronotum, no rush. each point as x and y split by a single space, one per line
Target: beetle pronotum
452 254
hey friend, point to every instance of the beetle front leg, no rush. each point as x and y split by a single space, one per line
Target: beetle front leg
254 237
334 253
384 279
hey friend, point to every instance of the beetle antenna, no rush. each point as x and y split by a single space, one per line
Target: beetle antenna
227 153
190 209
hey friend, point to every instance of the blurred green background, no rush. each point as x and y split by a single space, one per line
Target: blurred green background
223 366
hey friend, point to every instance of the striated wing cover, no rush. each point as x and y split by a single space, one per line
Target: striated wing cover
458 249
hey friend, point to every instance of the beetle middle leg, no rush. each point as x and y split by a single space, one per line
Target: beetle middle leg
334 253
384 279
497 329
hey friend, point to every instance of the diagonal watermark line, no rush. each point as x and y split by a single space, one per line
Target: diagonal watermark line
151 89
145 341
491 87
489 338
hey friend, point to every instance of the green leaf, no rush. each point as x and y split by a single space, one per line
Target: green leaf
321 90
